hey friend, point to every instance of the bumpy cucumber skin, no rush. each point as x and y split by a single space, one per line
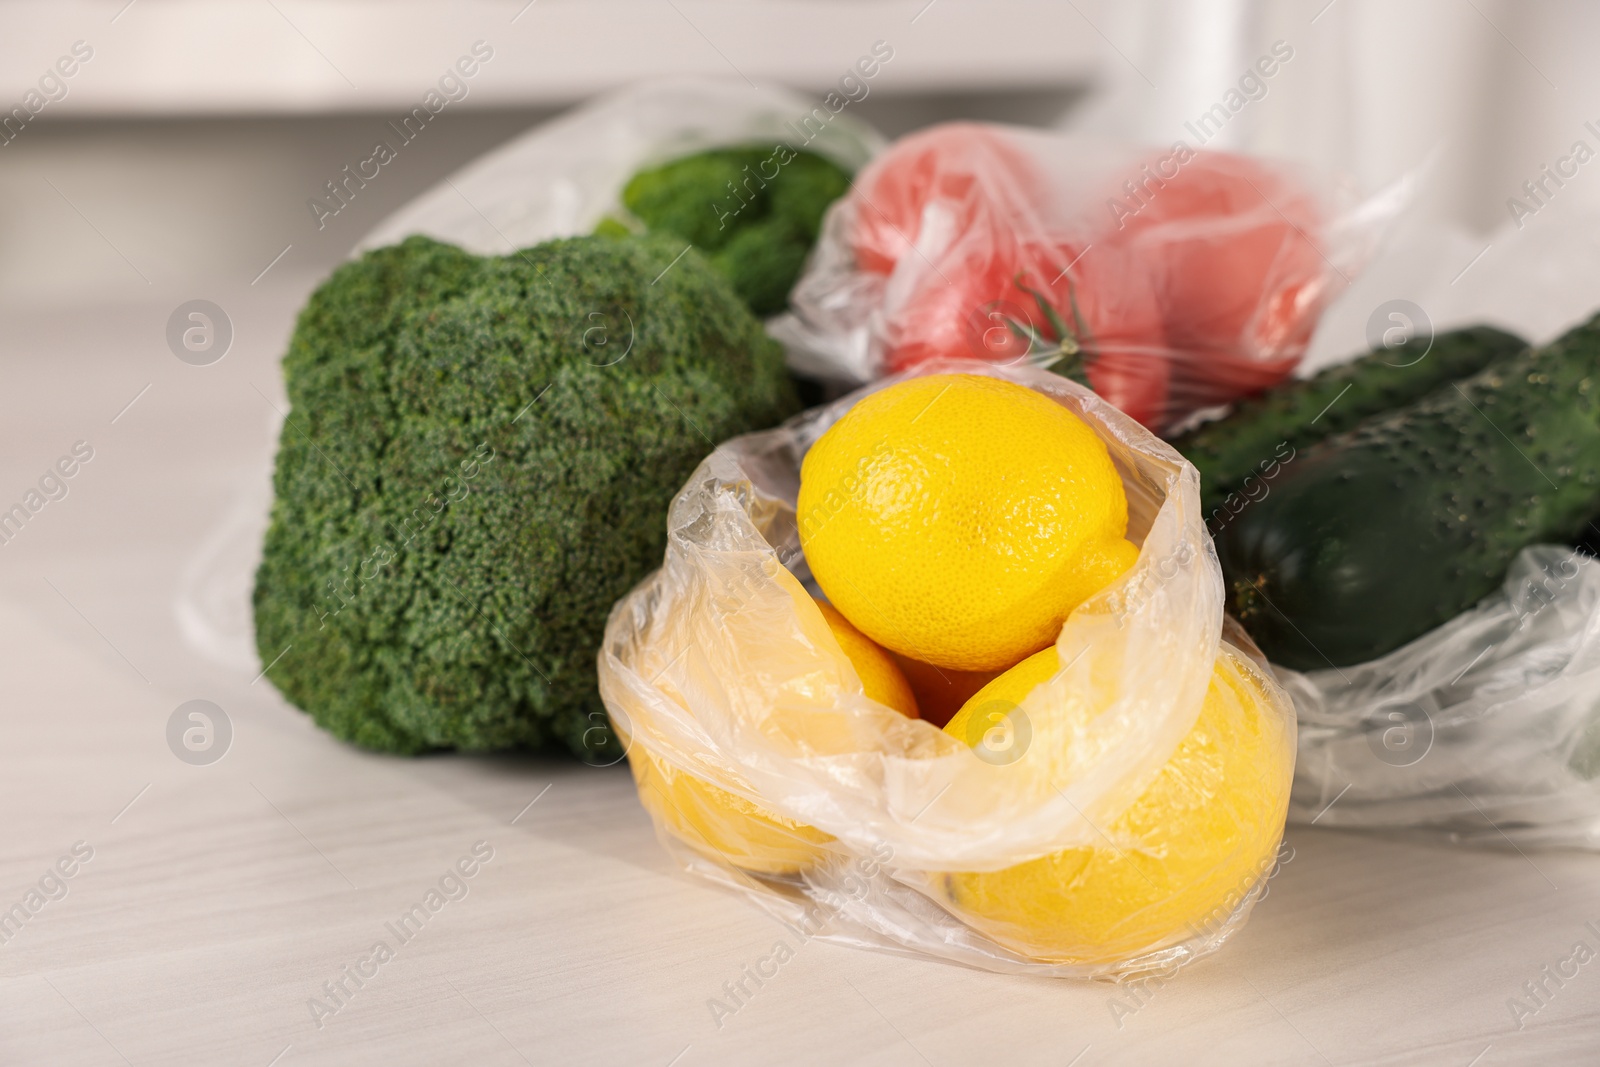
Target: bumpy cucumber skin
1297 414
1372 538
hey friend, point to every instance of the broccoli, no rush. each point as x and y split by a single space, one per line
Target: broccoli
755 212
477 464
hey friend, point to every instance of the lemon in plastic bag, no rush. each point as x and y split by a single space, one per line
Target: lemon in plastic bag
724 825
881 678
958 519
729 827
1176 863
720 667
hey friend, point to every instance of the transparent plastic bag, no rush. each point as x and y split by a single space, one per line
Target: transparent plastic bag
556 180
1190 277
213 599
767 770
1485 731
560 178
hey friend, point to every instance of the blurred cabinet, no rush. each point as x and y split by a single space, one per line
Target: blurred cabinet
200 57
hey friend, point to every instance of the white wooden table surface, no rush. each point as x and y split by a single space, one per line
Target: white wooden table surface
220 898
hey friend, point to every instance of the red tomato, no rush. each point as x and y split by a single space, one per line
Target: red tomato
959 308
1123 336
1235 249
1210 290
1101 295
1134 381
968 172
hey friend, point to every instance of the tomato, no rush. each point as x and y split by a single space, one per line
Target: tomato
967 173
959 308
1101 296
1235 250
1210 290
1124 340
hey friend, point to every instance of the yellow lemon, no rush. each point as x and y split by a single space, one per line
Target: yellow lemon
958 519
724 825
729 827
881 678
1176 863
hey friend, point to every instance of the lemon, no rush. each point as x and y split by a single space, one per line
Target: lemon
958 519
727 826
881 678
724 825
1176 863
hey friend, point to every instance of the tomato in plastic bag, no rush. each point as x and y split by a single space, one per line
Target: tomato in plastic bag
1197 276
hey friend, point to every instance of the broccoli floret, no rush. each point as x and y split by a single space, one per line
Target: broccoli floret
611 226
476 465
765 258
755 214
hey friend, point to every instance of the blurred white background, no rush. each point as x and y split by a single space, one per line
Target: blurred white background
193 137
196 133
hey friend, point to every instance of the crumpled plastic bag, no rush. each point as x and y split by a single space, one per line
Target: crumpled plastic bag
767 770
1485 731
556 180
1189 276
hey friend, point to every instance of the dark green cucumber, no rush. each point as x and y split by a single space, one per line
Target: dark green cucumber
1370 539
1285 420
1588 540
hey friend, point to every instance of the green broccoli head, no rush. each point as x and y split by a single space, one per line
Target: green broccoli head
756 210
477 464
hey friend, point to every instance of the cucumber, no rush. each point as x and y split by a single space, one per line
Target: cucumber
1588 541
1285 420
1369 539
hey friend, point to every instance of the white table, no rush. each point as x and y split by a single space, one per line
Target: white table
220 898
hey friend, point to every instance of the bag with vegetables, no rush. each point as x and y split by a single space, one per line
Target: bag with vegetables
941 668
1402 529
1168 280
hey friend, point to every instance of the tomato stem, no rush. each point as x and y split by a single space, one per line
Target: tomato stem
1063 354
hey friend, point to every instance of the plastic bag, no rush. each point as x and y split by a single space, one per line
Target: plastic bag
556 180
560 178
1190 277
767 770
1485 731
